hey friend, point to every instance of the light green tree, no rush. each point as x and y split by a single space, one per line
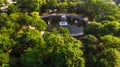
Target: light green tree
110 27
109 41
35 15
5 42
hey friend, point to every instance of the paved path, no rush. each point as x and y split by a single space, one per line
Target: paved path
67 15
73 29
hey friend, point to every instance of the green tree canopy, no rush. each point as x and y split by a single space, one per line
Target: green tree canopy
110 58
35 15
13 9
110 41
64 51
93 28
30 5
32 58
4 60
39 24
99 10
110 27
5 42
52 4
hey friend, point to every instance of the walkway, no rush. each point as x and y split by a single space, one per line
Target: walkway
74 29
74 16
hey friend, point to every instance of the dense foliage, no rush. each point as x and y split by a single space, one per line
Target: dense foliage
23 44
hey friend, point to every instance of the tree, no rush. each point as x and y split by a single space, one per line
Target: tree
32 58
52 4
89 39
4 60
110 58
28 35
33 20
15 17
7 26
5 42
71 7
26 38
30 5
31 38
62 6
93 28
3 19
99 10
5 2
64 31
109 41
13 9
35 15
24 19
90 49
1 2
39 24
110 27
79 8
54 31
63 51
117 33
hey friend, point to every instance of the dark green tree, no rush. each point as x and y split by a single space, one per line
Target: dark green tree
13 9
93 28
52 4
32 58
30 5
99 10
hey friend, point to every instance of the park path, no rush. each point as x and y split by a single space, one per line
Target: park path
73 29
85 20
